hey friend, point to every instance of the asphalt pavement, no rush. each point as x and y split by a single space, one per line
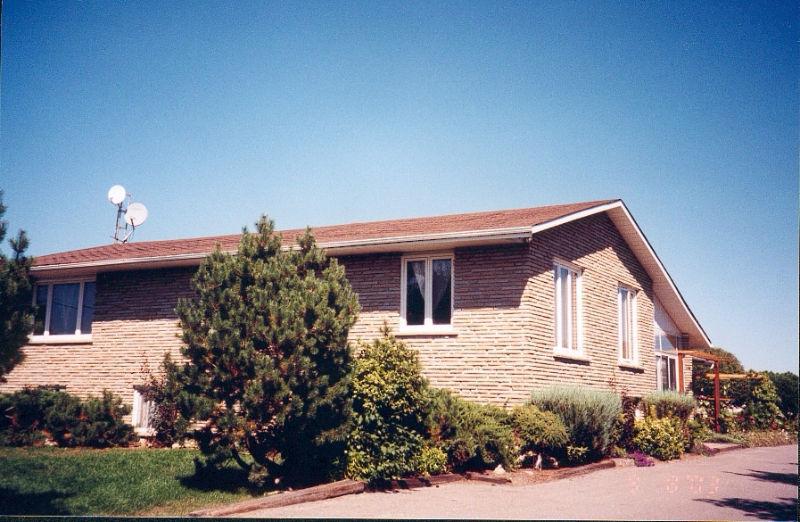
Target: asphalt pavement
747 484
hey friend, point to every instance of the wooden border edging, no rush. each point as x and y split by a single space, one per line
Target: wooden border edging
487 478
589 468
321 492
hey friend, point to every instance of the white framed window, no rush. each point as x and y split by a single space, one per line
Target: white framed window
626 317
667 372
568 288
142 413
426 297
64 310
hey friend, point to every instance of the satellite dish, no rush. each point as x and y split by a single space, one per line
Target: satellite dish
116 195
136 214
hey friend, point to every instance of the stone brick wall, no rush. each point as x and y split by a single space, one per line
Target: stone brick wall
134 325
503 318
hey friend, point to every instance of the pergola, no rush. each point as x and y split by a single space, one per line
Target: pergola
708 357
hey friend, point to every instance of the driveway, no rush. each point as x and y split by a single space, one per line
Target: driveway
750 484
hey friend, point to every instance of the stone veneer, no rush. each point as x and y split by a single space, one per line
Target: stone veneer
503 320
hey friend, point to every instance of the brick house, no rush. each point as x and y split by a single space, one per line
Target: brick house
496 303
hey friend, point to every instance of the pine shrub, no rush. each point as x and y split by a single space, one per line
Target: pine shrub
588 415
268 361
538 431
474 436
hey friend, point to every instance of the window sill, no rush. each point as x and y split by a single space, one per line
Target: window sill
426 331
60 339
572 355
627 365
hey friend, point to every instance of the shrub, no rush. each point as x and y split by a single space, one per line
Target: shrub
641 460
389 412
660 438
33 414
268 363
622 434
695 432
164 390
474 436
22 416
760 438
589 415
430 461
669 404
761 410
786 384
538 431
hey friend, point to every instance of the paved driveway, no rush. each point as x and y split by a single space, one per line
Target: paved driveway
750 484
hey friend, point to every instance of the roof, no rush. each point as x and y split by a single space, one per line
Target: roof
399 235
326 235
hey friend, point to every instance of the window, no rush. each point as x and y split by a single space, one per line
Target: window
427 291
626 299
64 309
666 372
142 412
569 321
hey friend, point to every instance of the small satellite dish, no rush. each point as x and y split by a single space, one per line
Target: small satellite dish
136 214
116 194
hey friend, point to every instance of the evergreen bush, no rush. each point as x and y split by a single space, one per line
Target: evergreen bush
474 436
389 413
589 415
268 362
669 404
538 431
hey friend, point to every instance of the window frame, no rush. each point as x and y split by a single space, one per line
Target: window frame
428 327
46 337
659 380
576 345
634 330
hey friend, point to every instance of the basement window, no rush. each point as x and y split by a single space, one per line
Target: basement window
142 412
427 294
64 311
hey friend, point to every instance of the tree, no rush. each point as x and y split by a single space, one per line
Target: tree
16 296
268 362
786 384
729 363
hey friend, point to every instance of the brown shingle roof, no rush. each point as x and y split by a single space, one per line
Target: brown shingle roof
474 221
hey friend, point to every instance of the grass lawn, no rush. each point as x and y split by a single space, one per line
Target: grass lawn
53 481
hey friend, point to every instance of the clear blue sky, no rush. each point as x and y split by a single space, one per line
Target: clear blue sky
321 113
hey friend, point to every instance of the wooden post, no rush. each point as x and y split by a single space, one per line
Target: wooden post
680 373
716 396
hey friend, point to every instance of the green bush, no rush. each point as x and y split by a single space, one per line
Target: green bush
695 432
538 431
31 415
432 460
669 404
660 438
622 433
389 412
786 384
576 454
98 423
164 390
22 416
474 436
761 411
589 415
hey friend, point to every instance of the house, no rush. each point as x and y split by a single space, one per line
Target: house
496 303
